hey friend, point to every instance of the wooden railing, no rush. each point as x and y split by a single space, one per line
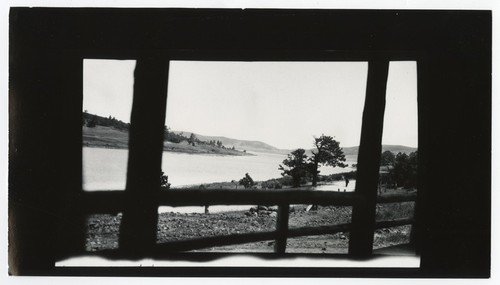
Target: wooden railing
113 202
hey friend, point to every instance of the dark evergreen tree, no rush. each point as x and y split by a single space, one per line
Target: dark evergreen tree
328 152
295 166
247 181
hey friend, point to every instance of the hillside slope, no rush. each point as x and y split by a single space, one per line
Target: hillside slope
393 148
252 146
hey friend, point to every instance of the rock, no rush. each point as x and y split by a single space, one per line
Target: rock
248 214
262 208
273 215
253 209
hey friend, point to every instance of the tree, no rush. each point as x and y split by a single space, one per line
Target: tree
164 181
92 122
296 166
192 139
247 181
387 158
328 152
405 169
413 166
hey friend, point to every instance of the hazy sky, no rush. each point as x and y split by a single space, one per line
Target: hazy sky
284 104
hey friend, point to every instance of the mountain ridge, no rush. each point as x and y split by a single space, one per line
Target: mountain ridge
259 146
248 145
120 137
353 150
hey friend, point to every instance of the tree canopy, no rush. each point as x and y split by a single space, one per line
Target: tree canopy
403 169
247 181
295 166
328 152
387 158
298 165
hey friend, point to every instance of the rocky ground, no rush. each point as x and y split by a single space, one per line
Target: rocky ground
103 230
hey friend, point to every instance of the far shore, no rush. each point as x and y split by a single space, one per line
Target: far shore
167 149
111 138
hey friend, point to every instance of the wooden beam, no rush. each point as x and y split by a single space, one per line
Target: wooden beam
112 202
71 221
363 216
140 215
281 228
184 197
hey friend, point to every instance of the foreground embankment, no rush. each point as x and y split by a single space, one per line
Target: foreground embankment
103 230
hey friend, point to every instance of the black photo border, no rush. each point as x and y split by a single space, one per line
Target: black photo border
453 49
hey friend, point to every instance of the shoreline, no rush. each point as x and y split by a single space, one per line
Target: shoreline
107 146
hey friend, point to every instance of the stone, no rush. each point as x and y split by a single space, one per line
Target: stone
262 208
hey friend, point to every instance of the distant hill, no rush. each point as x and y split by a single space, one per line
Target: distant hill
258 146
91 120
252 146
114 133
393 148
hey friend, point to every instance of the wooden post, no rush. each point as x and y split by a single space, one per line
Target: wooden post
363 214
71 220
281 228
422 77
140 217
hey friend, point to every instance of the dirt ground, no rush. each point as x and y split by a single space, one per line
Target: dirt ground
103 230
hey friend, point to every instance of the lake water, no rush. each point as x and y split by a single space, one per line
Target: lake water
106 169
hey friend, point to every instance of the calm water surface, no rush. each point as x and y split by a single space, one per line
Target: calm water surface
106 169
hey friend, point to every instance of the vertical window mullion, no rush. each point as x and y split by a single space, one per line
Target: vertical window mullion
140 216
363 214
282 228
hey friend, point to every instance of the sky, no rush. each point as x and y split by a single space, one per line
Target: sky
284 104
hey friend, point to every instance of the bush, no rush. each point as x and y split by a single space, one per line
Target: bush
272 184
164 181
286 180
247 181
92 123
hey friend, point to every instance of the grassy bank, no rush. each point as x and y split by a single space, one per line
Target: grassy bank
110 137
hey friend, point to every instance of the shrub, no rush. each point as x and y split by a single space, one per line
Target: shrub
164 181
247 181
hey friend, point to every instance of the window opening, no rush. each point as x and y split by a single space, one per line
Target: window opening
236 125
107 103
399 158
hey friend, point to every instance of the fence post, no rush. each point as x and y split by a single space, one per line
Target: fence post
140 217
363 213
281 228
